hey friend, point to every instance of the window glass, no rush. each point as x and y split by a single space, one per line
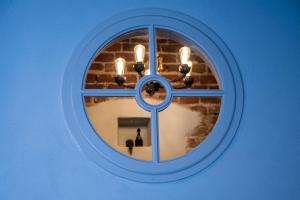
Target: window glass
113 67
173 52
126 130
185 124
153 93
123 124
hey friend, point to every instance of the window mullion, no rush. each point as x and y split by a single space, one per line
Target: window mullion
152 49
155 136
200 92
109 92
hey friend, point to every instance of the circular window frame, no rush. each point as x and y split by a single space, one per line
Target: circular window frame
108 158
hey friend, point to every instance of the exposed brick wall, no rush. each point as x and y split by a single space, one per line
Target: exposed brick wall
209 108
101 75
102 71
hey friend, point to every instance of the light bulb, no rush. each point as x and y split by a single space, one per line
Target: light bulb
120 66
147 72
185 53
139 52
190 64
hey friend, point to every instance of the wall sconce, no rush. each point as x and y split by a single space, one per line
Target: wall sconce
185 68
185 53
160 66
188 79
120 64
139 52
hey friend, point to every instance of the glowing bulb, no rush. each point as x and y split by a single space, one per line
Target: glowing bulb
185 53
120 66
147 72
190 64
139 52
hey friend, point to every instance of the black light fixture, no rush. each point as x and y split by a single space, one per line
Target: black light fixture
139 52
185 68
185 53
120 64
152 87
188 79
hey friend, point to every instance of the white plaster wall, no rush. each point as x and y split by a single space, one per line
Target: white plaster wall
174 123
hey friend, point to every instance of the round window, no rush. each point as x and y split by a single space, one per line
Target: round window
159 100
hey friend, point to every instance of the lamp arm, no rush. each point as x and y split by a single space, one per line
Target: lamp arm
180 86
178 78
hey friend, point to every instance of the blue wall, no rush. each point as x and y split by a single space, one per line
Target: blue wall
40 160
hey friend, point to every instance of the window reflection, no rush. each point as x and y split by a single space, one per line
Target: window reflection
117 60
185 124
122 124
174 50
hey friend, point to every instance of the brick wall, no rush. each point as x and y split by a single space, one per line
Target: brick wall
101 75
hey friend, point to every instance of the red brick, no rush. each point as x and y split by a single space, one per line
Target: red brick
213 100
146 57
124 40
124 86
87 99
179 85
129 67
170 76
170 41
131 78
114 86
91 78
139 40
97 66
199 86
94 86
199 68
189 100
196 78
172 67
174 48
109 67
105 57
158 48
102 78
208 79
214 119
192 143
128 47
129 85
213 87
209 71
168 58
162 41
196 58
127 56
114 47
100 99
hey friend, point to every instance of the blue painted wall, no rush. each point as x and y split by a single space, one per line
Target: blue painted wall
40 160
